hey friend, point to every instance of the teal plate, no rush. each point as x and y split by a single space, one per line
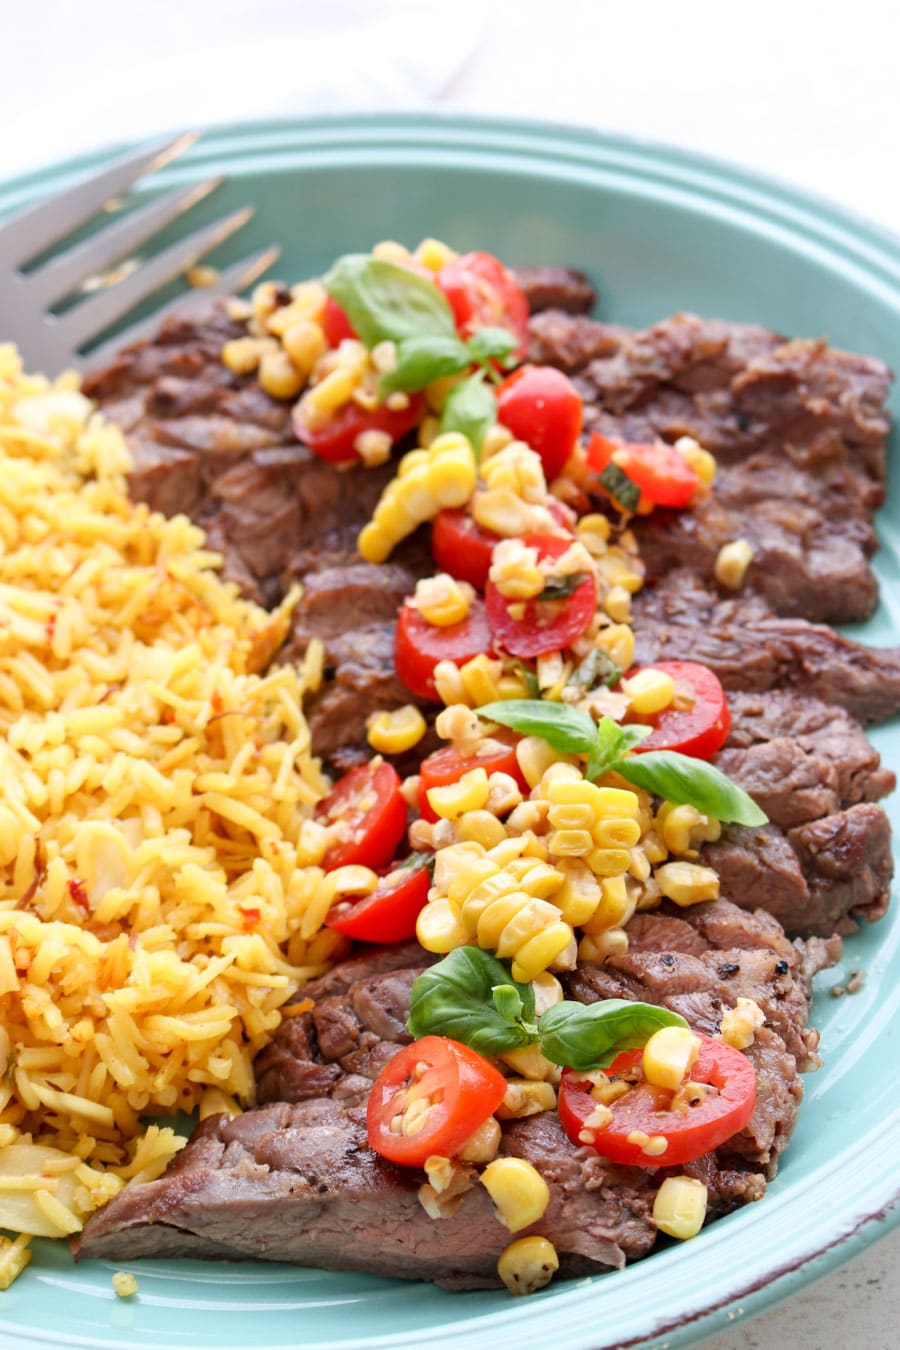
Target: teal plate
658 230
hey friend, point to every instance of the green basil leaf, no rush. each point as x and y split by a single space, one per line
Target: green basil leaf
596 668
507 1001
470 408
589 1036
385 301
421 360
560 588
620 486
691 782
456 998
528 678
491 344
565 728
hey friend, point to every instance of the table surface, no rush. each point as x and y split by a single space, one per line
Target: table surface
806 93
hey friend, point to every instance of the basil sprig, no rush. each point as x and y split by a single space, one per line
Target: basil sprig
676 778
471 997
471 409
589 1036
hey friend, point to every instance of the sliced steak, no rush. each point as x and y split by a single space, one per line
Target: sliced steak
294 1180
800 758
801 426
555 288
751 649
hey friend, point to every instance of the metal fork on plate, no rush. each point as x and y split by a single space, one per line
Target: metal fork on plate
51 341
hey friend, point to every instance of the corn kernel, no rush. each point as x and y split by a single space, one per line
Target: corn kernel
482 827
552 946
618 604
669 1056
528 1061
503 512
390 733
547 992
438 929
278 376
606 802
469 793
687 883
732 562
595 523
739 1024
683 827
679 1208
528 1265
515 571
243 355
434 254
519 1192
480 680
429 430
482 1145
442 600
447 680
333 392
579 895
524 1098
570 843
124 1284
375 544
700 460
618 643
388 250
649 691
497 438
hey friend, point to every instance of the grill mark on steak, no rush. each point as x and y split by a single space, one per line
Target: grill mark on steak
294 1180
799 426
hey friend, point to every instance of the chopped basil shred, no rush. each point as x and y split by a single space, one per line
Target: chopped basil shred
620 486
596 668
560 588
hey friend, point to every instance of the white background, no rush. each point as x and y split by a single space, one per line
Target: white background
807 91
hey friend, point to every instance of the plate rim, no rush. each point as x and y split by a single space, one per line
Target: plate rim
863 243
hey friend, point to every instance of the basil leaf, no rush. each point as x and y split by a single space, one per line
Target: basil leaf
560 588
691 782
528 678
589 1036
456 998
620 486
565 728
421 360
507 1001
491 344
633 733
385 301
470 408
596 668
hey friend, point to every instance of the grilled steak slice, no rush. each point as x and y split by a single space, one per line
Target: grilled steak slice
555 288
295 1181
801 425
799 758
751 649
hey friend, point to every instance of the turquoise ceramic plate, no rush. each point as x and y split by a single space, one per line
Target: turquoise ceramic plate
658 230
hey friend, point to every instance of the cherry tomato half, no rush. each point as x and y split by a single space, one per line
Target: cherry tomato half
335 324
462 1087
389 914
545 625
462 547
420 645
369 804
663 475
690 1132
447 766
541 406
335 440
483 294
699 731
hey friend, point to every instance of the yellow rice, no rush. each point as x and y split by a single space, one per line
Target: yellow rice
159 898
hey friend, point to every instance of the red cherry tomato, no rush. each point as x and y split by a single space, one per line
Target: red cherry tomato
545 625
463 1088
541 406
447 766
369 804
420 645
483 294
389 914
690 1132
662 474
335 324
462 547
335 440
699 731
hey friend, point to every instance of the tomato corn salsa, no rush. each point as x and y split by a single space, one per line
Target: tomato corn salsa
573 790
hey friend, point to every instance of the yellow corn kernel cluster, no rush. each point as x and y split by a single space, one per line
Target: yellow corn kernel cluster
285 338
515 570
518 469
479 681
444 475
442 600
598 824
497 897
617 641
679 1208
519 1192
391 733
527 1265
683 829
468 793
740 1024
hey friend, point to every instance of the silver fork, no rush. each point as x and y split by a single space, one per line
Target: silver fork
50 342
